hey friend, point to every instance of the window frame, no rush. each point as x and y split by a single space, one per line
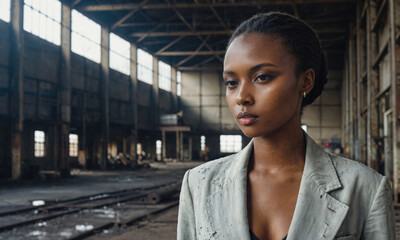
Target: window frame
37 143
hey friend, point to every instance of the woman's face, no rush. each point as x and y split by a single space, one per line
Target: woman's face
262 89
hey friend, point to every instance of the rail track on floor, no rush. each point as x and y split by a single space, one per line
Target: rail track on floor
117 208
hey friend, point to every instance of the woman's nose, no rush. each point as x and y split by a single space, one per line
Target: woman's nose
244 96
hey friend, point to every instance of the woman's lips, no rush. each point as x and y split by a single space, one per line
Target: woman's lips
247 121
246 118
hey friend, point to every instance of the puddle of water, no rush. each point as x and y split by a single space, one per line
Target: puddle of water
83 228
42 224
37 233
66 234
38 203
99 196
107 212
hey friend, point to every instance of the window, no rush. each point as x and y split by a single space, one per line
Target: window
40 141
164 76
158 149
119 54
5 10
145 66
139 149
85 37
73 145
178 83
230 143
43 18
304 127
202 143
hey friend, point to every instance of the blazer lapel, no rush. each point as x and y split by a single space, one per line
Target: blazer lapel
316 214
227 208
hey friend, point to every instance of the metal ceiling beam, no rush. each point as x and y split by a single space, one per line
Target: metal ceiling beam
189 53
192 29
210 25
155 28
220 32
75 3
134 10
169 45
167 34
219 18
196 51
130 6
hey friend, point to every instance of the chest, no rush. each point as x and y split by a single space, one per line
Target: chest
271 202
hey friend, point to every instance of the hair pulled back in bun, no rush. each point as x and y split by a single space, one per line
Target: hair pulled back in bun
299 38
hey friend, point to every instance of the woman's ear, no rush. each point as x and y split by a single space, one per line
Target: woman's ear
308 80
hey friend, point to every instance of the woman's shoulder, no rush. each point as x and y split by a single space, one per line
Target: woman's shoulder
211 174
354 173
213 167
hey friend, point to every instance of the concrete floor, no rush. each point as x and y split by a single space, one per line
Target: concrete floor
21 194
161 226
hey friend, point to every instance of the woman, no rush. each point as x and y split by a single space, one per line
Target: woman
282 185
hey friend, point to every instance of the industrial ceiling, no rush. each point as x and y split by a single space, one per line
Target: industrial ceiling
192 35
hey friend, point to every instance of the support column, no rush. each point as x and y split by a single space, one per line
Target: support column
65 88
190 148
178 155
105 94
181 146
156 91
16 79
359 155
394 48
164 146
174 84
373 88
133 104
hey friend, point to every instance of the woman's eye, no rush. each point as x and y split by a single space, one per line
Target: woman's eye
230 83
265 77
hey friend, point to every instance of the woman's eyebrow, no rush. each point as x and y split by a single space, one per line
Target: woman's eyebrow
229 72
258 66
253 68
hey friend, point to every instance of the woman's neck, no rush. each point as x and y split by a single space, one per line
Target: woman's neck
282 151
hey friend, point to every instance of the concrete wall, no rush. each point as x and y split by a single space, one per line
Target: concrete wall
203 102
42 104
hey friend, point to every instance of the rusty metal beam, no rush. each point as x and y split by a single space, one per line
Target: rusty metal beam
168 34
196 51
169 45
155 28
65 89
220 19
190 53
339 30
130 6
192 29
134 10
394 21
75 3
16 108
105 94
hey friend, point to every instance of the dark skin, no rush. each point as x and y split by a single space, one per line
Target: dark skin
261 80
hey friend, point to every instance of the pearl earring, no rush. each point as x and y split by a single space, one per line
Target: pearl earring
304 93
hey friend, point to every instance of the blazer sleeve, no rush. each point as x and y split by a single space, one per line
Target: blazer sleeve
380 223
186 229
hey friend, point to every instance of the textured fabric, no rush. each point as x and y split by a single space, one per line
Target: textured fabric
338 199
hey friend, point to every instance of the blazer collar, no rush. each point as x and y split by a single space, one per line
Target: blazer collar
318 165
316 211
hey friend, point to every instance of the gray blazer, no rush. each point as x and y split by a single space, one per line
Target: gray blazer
338 199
